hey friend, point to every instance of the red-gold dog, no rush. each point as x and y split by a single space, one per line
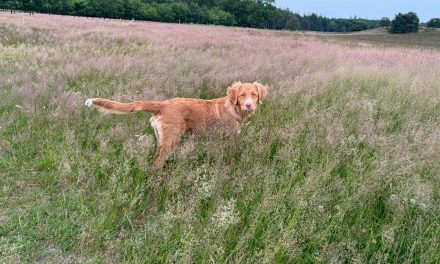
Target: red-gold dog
172 118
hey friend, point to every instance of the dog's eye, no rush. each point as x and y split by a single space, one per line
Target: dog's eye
241 95
254 94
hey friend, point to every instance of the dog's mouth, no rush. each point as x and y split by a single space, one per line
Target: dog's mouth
245 109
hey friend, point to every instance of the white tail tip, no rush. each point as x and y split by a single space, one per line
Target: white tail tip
89 102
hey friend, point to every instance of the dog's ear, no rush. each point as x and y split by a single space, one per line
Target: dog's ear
232 92
262 91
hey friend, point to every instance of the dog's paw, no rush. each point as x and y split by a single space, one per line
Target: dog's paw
89 102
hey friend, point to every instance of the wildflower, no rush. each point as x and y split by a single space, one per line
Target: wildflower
226 214
205 184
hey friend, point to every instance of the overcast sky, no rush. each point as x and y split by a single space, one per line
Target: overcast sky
372 9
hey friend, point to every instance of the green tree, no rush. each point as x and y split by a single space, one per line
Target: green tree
293 23
433 23
384 22
97 8
220 17
80 8
46 6
405 23
149 12
181 12
27 5
315 22
67 7
305 23
12 5
358 25
279 17
166 13
333 26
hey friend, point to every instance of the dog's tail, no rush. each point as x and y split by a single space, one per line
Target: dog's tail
123 108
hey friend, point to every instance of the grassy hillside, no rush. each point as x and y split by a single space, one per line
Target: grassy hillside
340 164
428 38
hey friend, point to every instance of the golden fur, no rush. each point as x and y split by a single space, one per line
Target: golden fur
172 118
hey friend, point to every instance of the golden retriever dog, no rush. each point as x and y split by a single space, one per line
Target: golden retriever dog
172 118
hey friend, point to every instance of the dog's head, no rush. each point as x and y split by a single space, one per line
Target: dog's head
247 95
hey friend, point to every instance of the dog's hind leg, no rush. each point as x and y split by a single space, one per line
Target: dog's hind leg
167 143
155 124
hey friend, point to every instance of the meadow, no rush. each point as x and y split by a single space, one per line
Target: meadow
339 165
426 38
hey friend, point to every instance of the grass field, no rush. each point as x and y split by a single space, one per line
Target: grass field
340 164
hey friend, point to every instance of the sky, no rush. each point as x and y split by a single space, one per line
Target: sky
371 9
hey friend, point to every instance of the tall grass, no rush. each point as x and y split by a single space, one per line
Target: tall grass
340 164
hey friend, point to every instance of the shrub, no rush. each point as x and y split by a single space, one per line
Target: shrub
433 23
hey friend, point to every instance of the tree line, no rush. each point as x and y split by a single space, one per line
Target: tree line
243 13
